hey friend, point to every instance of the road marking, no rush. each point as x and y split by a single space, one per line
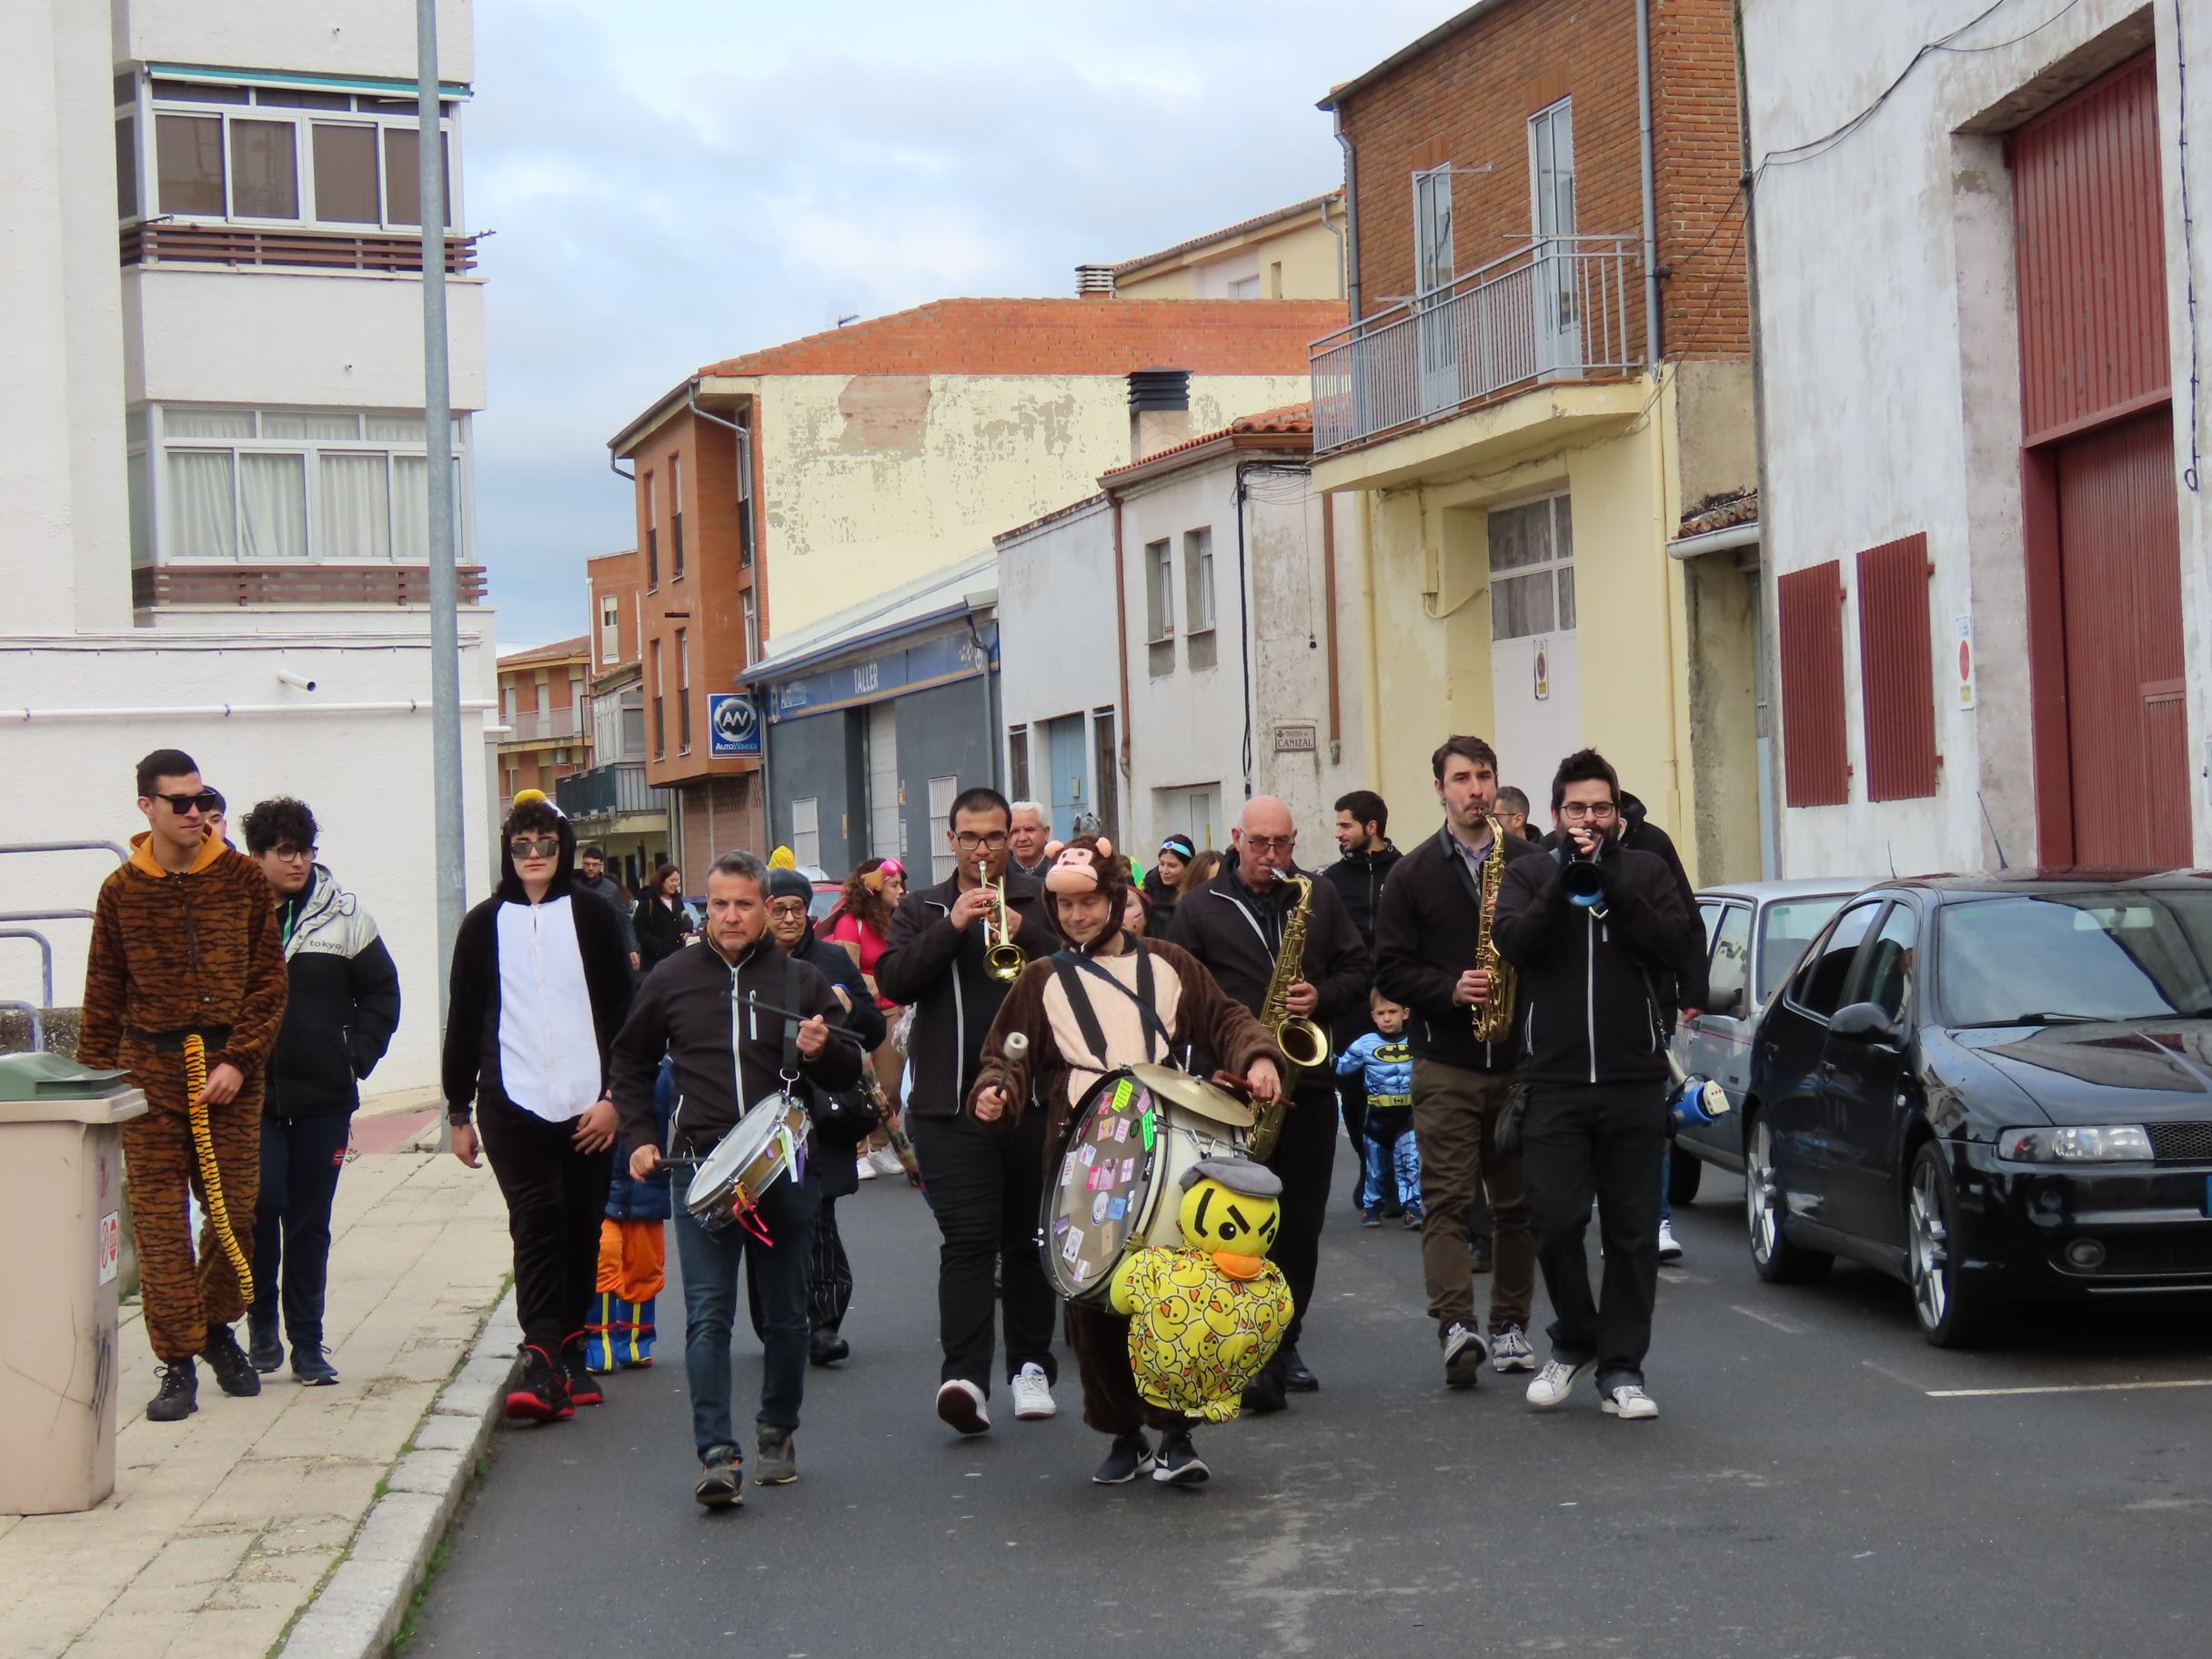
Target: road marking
1783 1325
2067 1387
1915 1383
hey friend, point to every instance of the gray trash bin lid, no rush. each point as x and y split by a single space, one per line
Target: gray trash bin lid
53 1077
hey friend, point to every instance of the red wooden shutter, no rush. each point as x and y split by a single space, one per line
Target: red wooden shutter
1896 672
1817 768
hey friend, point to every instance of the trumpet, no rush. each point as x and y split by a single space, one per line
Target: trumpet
1003 959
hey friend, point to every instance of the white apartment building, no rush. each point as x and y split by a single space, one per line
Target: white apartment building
215 467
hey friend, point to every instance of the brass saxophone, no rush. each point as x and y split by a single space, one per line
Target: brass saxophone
1493 1019
1303 1043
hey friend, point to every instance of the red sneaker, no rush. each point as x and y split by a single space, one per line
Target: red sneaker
542 1396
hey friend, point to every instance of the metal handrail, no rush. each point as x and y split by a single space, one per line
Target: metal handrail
122 853
45 945
1376 321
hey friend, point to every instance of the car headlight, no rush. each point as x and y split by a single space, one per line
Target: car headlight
2076 1143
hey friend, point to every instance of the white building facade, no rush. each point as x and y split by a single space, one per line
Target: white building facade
1985 531
216 482
1059 683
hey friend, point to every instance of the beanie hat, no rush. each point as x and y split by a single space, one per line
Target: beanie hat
788 884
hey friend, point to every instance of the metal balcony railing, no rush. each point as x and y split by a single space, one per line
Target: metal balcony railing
545 725
1557 309
604 791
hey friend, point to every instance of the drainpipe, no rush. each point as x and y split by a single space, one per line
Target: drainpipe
1651 211
1120 626
1328 580
1244 639
1350 267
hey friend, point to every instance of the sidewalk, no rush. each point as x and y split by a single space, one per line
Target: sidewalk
222 1527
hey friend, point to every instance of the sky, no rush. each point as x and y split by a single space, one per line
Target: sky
678 181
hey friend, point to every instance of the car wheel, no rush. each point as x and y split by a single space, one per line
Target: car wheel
1684 1172
1953 1312
1777 1260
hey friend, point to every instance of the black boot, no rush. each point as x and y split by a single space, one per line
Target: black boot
1296 1376
826 1347
180 1396
261 1344
233 1372
1265 1393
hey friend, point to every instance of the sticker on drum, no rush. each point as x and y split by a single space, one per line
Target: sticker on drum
1098 1209
1072 1248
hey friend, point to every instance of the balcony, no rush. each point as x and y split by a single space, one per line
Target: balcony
347 586
1557 310
160 241
597 798
545 725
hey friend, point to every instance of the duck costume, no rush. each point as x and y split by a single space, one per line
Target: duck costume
1204 1319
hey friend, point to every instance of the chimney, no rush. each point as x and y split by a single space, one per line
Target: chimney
1158 410
1094 282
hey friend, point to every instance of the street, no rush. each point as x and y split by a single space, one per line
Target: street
1817 1484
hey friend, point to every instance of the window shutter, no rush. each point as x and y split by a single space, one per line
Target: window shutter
1896 670
1816 766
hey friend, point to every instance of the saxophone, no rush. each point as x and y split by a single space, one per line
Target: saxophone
1494 1019
1303 1043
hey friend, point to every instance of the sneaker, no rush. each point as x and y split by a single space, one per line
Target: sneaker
1464 1352
311 1367
1669 1250
721 1479
1555 1381
1510 1352
826 1348
864 1170
1410 1220
583 1385
1297 1375
1032 1393
180 1396
1630 1400
1131 1456
885 1161
775 1459
1370 1217
233 1372
261 1346
1179 1464
542 1396
961 1403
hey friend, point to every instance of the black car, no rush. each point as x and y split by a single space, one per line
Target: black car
1997 1088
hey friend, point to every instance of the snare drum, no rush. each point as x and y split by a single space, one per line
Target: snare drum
768 1141
1119 1184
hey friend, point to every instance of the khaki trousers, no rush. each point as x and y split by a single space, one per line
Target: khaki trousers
1455 1123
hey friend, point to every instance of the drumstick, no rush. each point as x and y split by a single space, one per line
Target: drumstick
1016 1048
752 999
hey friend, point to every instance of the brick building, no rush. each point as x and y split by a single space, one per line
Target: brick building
611 803
543 705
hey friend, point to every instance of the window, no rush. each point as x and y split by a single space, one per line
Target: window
1730 978
1433 229
1160 592
610 629
1784 928
752 627
676 517
1891 963
807 833
943 863
297 484
126 167
1107 769
188 162
652 533
1532 569
1819 986
661 716
683 690
1551 165
1018 762
745 497
1198 597
1244 287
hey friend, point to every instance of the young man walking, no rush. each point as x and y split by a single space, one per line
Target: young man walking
986 1182
1365 858
185 991
1593 927
343 1007
1425 942
592 877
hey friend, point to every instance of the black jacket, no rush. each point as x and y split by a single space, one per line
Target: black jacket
1590 1011
606 890
1426 932
660 931
1163 898
344 1003
830 1168
1639 834
725 1056
1237 933
937 970
1358 877
471 1058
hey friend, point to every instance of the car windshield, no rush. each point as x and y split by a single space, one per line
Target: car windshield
1785 927
2047 958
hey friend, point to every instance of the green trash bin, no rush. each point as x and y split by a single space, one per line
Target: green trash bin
61 1209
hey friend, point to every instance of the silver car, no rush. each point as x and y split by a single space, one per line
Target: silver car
1755 933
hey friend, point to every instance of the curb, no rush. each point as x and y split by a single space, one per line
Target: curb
358 1610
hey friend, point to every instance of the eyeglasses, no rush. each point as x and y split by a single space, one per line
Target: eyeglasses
293 855
1271 843
789 910
1597 811
183 806
535 846
994 842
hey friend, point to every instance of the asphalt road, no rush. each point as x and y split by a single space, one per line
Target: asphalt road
1814 1486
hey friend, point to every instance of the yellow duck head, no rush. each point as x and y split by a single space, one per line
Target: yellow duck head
1232 1209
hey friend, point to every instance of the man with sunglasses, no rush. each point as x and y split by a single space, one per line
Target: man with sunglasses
185 985
986 1182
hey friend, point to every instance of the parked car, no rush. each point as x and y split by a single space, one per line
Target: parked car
1755 933
1996 1088
825 895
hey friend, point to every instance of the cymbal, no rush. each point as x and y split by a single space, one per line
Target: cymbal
1194 1095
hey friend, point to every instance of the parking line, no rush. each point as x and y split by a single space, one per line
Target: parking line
1783 1325
2067 1387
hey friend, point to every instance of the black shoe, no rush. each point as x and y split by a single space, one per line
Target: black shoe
583 1386
233 1372
261 1346
1296 1377
542 1395
180 1396
1265 1393
1132 1455
826 1347
721 1479
1180 1463
311 1367
1479 1252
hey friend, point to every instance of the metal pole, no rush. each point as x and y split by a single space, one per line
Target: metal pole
437 461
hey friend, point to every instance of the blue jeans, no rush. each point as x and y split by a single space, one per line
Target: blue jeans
710 1262
300 1161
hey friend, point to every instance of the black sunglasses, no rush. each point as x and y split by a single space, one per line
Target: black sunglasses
535 847
207 801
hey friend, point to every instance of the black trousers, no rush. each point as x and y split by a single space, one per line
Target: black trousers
829 1283
1305 1159
1601 1140
300 1161
556 1197
986 1185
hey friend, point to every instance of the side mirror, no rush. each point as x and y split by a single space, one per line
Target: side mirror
1863 1022
1727 1003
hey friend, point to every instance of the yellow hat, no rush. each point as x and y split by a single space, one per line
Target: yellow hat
781 859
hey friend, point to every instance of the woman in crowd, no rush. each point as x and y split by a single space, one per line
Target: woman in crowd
1137 919
1202 869
1163 881
860 921
663 920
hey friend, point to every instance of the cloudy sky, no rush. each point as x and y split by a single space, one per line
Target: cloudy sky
680 180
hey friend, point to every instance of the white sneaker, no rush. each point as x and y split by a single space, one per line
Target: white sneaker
1631 1402
1668 1250
1464 1352
1033 1394
1555 1381
961 1403
1510 1352
865 1169
885 1161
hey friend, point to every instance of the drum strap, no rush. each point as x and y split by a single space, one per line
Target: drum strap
1070 966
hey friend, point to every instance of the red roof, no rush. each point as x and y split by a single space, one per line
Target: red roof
1060 336
559 652
1292 421
1291 417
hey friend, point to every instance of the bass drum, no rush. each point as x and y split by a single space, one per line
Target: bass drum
1119 1185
